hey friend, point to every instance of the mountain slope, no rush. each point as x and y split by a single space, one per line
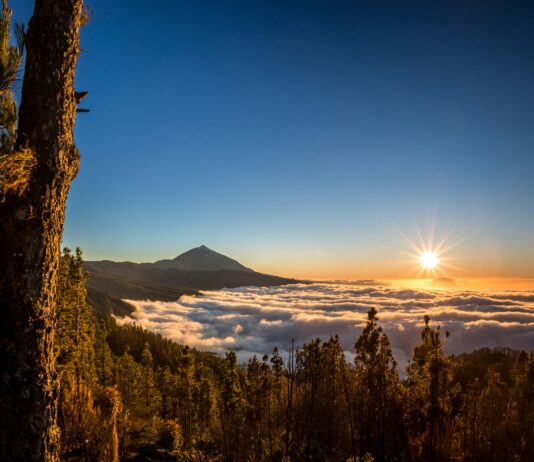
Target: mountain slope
201 259
110 282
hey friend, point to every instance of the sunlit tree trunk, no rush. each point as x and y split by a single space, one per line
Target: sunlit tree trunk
31 226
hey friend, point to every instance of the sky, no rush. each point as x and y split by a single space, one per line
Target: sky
307 138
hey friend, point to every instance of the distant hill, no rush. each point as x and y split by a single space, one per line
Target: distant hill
197 269
103 304
201 259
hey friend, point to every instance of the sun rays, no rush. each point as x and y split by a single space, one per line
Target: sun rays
433 253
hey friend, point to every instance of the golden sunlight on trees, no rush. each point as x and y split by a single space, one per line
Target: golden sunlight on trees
78 387
31 221
149 397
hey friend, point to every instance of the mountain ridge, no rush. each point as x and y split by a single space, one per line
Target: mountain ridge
110 283
201 258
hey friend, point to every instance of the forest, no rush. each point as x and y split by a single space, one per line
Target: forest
77 387
131 393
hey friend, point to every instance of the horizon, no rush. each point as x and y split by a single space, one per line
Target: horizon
291 230
307 140
423 280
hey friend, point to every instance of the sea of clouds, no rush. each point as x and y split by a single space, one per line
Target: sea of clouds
253 320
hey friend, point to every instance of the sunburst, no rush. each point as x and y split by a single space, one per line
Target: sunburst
430 255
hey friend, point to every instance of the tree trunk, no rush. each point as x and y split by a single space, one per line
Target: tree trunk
30 235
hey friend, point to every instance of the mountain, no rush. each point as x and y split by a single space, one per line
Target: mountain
201 259
110 282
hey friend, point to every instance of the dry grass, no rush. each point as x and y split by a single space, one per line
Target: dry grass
15 171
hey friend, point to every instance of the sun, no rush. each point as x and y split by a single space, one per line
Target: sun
429 260
429 254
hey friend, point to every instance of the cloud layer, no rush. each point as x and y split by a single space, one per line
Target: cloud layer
253 320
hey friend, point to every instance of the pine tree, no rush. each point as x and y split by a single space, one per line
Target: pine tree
10 62
105 362
187 388
148 373
164 381
257 387
128 378
278 405
376 371
87 412
522 405
76 321
493 405
232 408
429 379
207 407
334 424
31 224
308 376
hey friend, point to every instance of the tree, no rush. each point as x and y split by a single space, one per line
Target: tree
10 61
164 384
186 389
148 373
378 380
308 375
336 425
429 380
129 372
523 407
76 322
31 225
231 408
256 390
105 365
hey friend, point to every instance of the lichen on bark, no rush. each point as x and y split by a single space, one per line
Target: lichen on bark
30 242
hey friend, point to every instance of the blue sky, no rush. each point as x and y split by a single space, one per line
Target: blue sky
300 137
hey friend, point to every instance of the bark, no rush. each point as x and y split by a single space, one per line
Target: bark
30 235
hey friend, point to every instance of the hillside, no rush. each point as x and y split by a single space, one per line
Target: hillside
167 280
201 259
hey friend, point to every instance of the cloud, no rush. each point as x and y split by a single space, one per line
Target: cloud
253 320
443 282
